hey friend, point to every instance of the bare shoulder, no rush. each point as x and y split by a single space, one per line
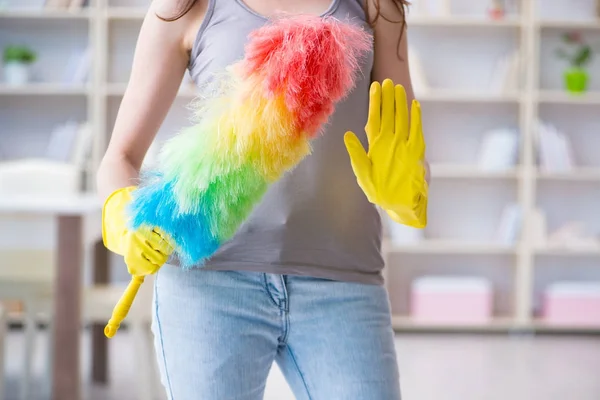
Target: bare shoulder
180 19
177 10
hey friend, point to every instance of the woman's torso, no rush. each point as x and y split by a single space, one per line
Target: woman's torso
316 220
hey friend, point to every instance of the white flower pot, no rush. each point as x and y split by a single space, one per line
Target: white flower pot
16 73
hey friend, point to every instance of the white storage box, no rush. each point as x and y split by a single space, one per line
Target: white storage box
451 300
39 177
572 303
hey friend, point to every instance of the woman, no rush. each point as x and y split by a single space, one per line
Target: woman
300 283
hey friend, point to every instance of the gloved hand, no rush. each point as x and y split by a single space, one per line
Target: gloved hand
144 250
392 173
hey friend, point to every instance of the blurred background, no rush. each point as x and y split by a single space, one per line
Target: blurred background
498 298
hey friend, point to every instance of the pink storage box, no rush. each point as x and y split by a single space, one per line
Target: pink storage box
451 300
572 303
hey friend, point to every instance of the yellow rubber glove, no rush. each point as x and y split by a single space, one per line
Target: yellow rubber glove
392 173
144 250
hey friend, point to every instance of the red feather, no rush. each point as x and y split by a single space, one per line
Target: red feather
312 61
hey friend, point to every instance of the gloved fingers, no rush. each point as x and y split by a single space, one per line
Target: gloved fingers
361 164
151 254
374 119
154 264
138 264
159 242
416 141
387 107
401 125
358 155
141 243
152 240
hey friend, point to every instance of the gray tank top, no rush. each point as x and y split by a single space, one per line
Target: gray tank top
315 221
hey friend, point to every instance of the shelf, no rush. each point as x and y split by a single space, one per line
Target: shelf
566 24
45 89
446 171
402 323
542 326
45 14
561 97
115 89
581 174
126 13
460 107
435 246
455 96
463 22
564 251
497 324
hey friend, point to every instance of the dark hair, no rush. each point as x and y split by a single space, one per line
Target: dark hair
401 6
184 6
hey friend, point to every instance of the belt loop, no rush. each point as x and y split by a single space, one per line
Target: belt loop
284 304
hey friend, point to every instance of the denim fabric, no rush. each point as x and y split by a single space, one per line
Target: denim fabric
217 334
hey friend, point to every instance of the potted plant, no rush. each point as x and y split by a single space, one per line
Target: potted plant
576 76
17 60
497 10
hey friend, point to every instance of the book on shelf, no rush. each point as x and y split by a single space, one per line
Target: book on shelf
71 143
436 8
57 4
83 145
66 4
78 66
61 143
19 5
498 149
417 73
402 235
554 149
510 224
511 7
506 74
539 227
76 4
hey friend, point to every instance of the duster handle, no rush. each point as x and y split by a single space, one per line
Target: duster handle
122 308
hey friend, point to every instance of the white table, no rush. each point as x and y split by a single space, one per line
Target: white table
69 212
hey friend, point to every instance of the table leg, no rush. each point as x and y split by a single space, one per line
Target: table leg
99 340
67 310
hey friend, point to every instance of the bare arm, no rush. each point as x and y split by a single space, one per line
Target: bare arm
387 64
159 64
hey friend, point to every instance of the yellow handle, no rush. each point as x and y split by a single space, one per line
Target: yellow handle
122 308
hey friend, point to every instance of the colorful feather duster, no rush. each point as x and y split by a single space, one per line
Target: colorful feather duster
267 108
256 125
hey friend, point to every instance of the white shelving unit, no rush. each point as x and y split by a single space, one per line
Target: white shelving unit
458 53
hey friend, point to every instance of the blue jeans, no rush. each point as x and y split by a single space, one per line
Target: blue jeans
217 334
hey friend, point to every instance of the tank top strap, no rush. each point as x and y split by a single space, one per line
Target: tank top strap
219 11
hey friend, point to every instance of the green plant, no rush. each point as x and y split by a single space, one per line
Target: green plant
582 53
20 54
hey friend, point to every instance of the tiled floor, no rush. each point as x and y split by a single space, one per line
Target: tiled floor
433 367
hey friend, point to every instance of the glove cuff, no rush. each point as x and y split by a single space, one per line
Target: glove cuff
408 217
114 221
